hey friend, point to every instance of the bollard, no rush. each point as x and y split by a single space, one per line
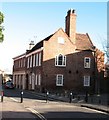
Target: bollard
78 97
86 97
91 100
70 97
108 102
21 96
2 94
99 101
47 96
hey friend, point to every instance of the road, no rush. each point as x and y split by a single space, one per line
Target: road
52 109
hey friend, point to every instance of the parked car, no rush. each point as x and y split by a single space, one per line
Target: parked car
9 85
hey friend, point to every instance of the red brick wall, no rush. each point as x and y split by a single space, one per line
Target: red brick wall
74 70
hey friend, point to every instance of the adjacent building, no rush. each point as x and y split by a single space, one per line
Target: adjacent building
65 60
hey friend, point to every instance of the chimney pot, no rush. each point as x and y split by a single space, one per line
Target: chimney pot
73 11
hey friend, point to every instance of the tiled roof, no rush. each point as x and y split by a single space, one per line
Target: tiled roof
40 44
83 42
47 38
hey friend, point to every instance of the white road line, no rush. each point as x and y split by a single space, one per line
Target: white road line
38 114
96 111
14 99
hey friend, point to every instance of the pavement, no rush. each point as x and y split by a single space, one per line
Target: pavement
95 105
10 109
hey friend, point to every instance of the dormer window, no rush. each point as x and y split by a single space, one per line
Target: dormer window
87 62
60 60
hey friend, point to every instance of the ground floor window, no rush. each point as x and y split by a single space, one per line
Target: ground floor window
59 80
38 79
87 80
29 79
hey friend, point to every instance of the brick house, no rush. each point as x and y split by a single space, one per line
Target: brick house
62 61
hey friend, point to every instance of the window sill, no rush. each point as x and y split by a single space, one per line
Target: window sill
59 85
60 65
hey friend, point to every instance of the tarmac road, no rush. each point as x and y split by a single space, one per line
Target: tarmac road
52 109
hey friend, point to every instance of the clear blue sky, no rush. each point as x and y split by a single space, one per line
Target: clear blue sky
26 20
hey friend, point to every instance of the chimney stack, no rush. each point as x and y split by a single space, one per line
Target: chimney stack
31 45
70 25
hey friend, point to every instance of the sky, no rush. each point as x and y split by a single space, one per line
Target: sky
26 21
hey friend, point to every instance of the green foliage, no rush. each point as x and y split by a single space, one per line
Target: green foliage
1 28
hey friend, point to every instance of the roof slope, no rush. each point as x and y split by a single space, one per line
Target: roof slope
83 42
40 44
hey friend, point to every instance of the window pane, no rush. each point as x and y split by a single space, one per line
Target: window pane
86 80
86 62
87 59
61 40
59 80
60 60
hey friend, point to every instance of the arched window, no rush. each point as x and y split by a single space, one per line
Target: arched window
60 60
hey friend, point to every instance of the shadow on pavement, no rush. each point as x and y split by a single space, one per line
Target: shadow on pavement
75 114
14 115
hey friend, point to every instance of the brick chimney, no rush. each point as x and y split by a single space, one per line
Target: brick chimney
70 25
31 45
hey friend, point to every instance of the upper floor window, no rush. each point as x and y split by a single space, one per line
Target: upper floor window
86 80
28 62
60 40
87 62
31 61
59 80
60 60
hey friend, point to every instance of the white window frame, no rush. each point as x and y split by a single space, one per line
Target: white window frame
33 60
87 80
87 64
61 40
63 60
36 59
36 82
57 80
40 59
39 79
28 62
21 63
30 79
24 62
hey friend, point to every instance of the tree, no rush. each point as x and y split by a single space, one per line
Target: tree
1 27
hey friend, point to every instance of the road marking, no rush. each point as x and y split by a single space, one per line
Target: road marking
96 111
38 114
14 99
